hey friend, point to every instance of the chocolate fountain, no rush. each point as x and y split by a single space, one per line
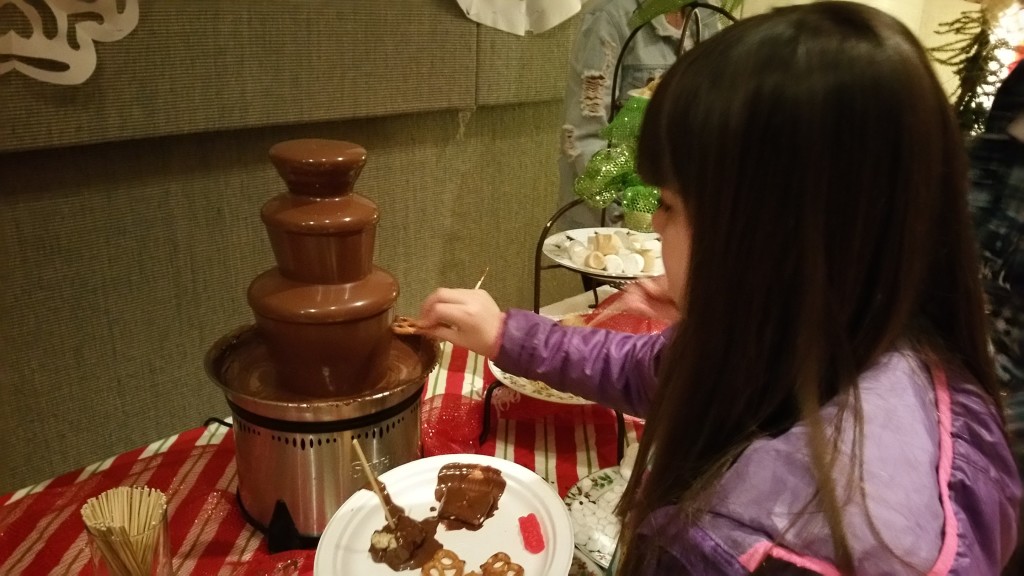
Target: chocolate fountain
320 367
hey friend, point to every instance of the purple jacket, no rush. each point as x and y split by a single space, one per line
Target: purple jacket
939 487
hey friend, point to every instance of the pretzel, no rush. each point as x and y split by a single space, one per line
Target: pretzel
444 563
447 563
499 564
404 325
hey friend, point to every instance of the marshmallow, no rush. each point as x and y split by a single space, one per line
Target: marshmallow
654 245
607 244
595 260
650 260
613 264
632 263
578 253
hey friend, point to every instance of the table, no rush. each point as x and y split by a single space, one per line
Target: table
41 530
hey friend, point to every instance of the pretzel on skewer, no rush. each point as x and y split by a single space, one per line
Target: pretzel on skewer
403 325
373 481
406 326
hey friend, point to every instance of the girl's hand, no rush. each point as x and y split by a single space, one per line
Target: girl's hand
467 318
649 297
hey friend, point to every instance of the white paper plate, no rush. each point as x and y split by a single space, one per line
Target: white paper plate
555 248
344 546
591 502
534 388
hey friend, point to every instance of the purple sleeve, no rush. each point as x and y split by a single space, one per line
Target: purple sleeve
615 369
984 485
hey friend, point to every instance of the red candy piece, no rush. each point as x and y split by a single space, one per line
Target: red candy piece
533 538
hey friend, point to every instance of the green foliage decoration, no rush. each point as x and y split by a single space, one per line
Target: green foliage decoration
972 56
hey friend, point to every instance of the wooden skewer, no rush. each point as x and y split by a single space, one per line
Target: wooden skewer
373 481
124 523
481 280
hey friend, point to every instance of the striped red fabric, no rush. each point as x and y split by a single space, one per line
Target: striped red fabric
41 531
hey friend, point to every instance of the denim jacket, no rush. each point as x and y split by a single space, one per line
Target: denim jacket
997 203
602 33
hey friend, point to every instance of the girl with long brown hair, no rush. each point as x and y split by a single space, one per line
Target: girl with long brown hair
827 403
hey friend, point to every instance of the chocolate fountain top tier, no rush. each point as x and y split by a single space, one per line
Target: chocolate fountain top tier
320 230
318 168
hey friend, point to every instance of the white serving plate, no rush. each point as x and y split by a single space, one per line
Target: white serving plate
535 388
555 248
344 546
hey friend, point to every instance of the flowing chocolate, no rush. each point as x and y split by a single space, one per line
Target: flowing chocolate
324 310
468 494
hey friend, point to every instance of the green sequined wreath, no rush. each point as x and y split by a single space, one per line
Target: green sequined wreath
611 175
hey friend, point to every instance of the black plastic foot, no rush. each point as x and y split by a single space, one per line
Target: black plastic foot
281 534
487 410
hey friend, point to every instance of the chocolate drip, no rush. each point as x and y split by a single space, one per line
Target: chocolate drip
408 543
468 494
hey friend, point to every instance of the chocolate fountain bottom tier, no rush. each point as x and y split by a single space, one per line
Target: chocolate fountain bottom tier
241 365
327 339
293 452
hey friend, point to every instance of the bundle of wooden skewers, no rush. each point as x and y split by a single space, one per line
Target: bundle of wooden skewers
128 529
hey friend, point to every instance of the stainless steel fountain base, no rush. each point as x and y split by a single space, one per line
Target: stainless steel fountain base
312 467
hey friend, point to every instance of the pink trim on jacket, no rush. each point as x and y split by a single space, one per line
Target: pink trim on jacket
753 557
950 532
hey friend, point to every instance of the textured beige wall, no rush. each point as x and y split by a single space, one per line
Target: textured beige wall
228 64
122 262
129 205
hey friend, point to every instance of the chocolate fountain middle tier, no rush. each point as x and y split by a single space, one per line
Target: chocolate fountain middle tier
327 340
322 240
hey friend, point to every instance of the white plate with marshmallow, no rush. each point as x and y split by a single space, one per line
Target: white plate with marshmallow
616 254
592 502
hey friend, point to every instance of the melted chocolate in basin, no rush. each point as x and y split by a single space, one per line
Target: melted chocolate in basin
241 364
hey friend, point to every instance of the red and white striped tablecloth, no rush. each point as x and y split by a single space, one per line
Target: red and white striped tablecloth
41 529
